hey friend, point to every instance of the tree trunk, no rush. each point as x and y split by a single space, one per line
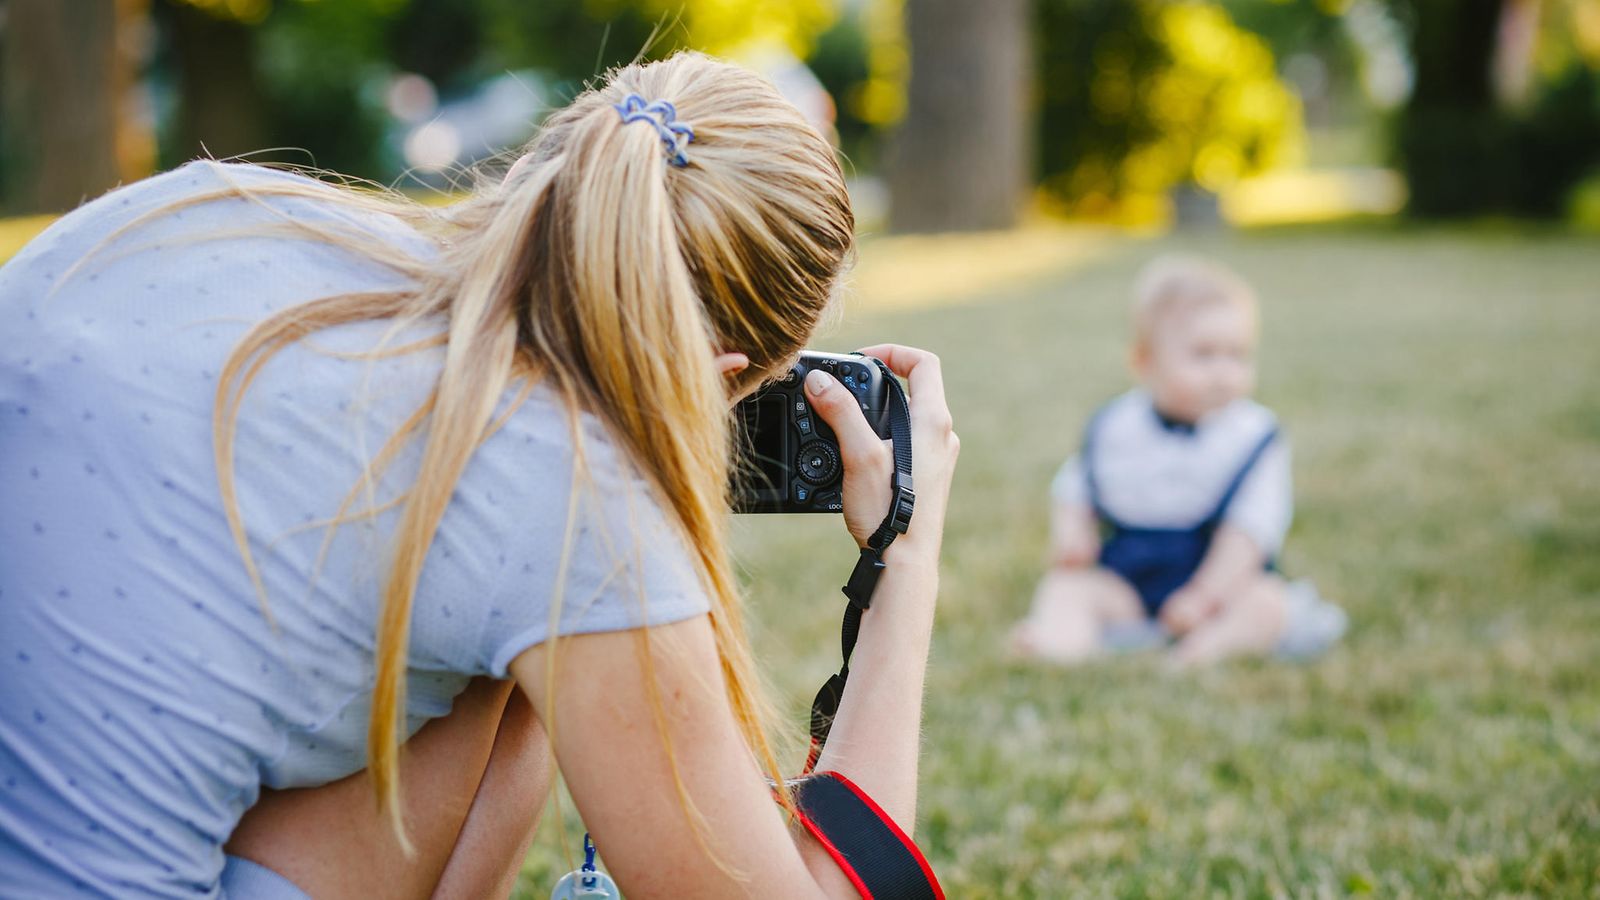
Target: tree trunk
959 161
222 109
1453 141
60 98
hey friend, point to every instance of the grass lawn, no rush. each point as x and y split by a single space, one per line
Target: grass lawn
1442 389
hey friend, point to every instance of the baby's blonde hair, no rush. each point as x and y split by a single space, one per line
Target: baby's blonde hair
1174 285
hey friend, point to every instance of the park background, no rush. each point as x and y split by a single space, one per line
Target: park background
1412 185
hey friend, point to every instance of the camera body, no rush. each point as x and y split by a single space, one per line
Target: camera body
790 461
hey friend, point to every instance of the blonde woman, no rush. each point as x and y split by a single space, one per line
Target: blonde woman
299 482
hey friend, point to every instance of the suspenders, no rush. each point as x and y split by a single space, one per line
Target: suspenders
1210 521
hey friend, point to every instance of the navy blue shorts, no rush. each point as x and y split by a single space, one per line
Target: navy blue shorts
1155 561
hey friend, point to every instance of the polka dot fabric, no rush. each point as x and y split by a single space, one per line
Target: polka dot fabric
144 699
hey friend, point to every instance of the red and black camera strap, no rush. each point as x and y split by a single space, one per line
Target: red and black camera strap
877 856
879 859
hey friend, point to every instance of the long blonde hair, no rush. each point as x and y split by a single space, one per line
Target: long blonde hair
615 277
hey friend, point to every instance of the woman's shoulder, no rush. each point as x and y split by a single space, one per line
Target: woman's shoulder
203 202
552 510
553 441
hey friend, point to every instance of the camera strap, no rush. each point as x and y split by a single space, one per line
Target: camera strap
880 859
869 565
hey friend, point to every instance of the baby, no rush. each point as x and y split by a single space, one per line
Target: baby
1167 523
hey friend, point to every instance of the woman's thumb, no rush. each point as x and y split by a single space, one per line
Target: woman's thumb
859 444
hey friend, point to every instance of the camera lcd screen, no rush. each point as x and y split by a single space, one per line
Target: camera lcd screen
767 429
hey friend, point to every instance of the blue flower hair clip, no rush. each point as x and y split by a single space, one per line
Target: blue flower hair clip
662 115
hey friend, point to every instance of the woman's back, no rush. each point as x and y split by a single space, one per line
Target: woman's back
146 697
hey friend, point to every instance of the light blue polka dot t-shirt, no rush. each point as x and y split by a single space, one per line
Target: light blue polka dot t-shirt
144 697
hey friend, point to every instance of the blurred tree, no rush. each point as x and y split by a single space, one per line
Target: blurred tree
311 77
1137 98
959 160
1465 152
221 107
291 80
1314 53
841 62
576 40
725 27
58 129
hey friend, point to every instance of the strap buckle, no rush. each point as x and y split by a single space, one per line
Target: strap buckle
864 578
905 500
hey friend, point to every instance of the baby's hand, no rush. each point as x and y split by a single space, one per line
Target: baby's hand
1187 608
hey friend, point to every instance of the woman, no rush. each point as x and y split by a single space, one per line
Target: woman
294 474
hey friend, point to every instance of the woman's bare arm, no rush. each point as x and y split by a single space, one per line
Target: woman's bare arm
646 738
647 743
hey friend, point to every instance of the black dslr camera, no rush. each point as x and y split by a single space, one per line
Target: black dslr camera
790 462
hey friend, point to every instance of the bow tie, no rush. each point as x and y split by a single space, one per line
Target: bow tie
1175 426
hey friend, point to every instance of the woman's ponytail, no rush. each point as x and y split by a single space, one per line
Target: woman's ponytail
614 272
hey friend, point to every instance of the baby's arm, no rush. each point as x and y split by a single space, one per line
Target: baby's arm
1074 530
1074 536
1233 559
1253 531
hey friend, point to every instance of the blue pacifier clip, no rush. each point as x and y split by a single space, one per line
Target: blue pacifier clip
587 883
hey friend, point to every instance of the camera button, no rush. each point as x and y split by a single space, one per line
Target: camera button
804 425
800 407
802 493
817 462
831 501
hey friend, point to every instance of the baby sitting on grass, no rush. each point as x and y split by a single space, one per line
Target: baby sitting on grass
1168 522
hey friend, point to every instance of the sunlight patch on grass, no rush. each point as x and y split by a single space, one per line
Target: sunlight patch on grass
15 233
1301 196
926 271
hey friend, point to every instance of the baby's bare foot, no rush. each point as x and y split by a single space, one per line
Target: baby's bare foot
1029 641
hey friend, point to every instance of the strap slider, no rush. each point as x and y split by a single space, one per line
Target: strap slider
864 578
905 500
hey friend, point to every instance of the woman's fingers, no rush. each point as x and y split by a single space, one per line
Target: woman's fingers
858 443
868 466
934 439
918 367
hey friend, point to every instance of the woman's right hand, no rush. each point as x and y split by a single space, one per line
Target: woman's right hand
869 461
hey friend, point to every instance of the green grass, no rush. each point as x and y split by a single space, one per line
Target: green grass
1442 389
1443 393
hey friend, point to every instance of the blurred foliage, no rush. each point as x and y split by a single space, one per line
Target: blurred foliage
1137 98
1467 151
864 62
323 65
840 62
880 100
725 27
1134 97
1468 161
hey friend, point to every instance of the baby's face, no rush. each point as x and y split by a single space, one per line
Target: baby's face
1200 361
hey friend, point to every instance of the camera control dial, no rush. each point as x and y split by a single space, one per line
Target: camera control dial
817 462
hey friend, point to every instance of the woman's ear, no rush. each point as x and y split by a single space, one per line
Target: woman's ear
731 363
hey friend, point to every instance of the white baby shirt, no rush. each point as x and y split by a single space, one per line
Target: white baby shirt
1150 473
